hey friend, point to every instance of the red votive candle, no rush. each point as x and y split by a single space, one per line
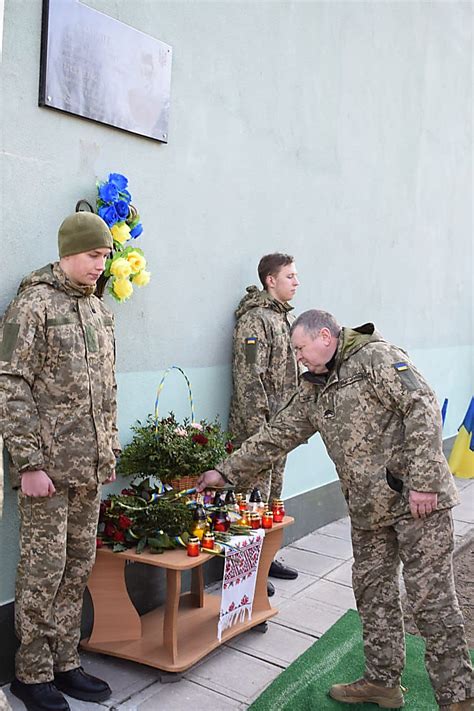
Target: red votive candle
278 511
255 521
193 546
208 541
267 519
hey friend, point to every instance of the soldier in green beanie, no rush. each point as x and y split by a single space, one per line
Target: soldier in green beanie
58 421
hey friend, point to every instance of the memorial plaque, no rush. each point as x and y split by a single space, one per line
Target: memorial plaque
102 69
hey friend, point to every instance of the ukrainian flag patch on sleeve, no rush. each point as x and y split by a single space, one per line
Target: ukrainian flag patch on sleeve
406 375
251 350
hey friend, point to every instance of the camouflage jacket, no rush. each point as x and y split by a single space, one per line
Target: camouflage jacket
57 380
380 422
264 366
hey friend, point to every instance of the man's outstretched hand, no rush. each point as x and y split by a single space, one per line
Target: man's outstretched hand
209 479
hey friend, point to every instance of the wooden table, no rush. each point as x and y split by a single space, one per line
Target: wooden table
177 634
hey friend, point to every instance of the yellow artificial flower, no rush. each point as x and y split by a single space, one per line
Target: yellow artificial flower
122 289
142 278
121 268
137 262
120 232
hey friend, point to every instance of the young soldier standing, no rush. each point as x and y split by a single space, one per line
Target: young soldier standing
264 370
58 419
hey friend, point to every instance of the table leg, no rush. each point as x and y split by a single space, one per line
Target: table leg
115 618
170 621
197 587
271 544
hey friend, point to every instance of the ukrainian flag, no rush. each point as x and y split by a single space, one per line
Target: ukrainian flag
461 459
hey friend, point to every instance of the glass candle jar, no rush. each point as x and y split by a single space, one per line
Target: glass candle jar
267 519
245 518
208 541
278 508
221 521
255 500
192 546
255 520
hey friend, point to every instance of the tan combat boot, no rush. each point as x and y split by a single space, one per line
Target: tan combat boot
363 691
466 705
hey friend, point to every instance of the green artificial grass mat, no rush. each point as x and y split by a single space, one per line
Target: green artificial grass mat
338 658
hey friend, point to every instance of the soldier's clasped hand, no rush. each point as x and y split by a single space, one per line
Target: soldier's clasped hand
422 503
37 483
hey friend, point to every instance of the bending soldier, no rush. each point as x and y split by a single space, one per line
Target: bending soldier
381 425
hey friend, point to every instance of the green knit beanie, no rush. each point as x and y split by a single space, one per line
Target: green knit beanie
83 232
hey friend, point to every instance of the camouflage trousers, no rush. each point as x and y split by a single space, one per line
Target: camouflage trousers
270 482
57 552
425 547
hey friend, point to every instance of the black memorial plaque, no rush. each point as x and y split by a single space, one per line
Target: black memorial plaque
102 69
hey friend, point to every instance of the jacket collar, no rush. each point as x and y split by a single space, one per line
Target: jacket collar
69 286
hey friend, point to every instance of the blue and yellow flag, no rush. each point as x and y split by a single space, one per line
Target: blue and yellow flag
461 459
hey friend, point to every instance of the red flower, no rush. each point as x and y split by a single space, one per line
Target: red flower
229 447
109 530
99 542
200 439
125 522
127 492
119 536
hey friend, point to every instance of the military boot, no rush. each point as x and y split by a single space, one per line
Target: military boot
39 697
466 705
364 691
81 685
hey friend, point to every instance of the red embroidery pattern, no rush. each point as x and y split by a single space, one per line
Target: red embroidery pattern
240 565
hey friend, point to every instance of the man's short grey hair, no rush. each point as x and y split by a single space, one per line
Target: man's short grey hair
313 321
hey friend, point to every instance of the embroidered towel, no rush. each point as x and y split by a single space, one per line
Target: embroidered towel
238 583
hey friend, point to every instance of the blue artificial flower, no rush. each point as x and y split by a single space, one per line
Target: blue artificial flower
122 209
137 230
109 214
125 195
119 180
108 192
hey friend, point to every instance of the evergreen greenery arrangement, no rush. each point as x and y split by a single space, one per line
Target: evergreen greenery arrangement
169 450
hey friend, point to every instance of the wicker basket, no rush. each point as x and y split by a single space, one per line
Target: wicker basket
184 482
187 481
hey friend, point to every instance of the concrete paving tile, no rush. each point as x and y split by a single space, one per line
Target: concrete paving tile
180 696
342 575
465 510
289 588
311 563
461 528
334 594
233 673
311 617
124 677
279 644
338 529
326 545
463 483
